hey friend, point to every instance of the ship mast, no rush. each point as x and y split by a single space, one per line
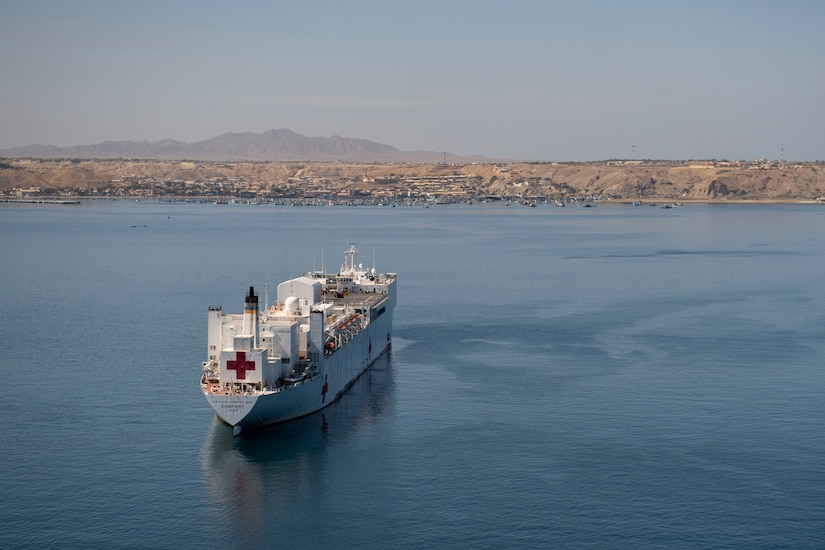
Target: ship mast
350 256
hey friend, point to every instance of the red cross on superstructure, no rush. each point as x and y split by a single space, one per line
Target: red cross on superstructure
240 365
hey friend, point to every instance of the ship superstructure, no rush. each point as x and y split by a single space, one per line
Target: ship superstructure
298 354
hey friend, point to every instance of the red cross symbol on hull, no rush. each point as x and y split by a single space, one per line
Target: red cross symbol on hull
240 365
324 389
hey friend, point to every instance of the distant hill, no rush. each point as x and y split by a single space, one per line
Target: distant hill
272 145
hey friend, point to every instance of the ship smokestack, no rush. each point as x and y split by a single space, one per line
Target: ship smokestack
250 316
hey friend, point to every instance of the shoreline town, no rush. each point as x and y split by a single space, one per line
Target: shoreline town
66 181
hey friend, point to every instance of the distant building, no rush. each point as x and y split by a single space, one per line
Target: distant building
26 193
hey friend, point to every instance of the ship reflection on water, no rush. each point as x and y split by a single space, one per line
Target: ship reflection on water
262 473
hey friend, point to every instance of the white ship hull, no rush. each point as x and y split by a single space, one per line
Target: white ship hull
308 396
302 352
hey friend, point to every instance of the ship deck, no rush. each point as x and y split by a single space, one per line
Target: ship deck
213 387
363 299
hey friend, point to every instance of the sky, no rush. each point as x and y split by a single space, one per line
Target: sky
523 80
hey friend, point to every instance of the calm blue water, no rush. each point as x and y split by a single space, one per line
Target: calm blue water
611 377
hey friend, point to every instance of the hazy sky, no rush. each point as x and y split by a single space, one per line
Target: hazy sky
534 80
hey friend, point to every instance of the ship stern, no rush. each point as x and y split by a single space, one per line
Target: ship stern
232 409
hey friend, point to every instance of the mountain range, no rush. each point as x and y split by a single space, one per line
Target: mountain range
272 145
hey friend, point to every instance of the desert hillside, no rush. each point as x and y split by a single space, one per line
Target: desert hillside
721 181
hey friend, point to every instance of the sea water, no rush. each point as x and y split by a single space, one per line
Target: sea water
612 377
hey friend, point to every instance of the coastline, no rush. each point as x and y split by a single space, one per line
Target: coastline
710 182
